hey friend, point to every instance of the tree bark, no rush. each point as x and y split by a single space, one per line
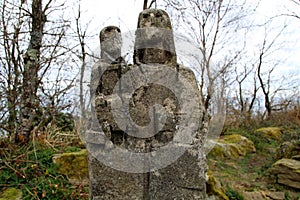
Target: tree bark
145 4
31 81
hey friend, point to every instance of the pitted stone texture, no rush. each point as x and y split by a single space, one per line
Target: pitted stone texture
140 111
113 81
182 179
108 183
111 42
154 41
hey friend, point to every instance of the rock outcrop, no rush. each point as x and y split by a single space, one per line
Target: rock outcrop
231 146
11 194
263 195
74 165
289 149
287 172
257 195
214 189
274 133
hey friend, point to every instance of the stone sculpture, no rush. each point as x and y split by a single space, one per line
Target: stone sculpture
149 143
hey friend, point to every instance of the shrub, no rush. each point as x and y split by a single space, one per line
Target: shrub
233 194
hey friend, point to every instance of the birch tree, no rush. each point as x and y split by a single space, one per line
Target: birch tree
34 62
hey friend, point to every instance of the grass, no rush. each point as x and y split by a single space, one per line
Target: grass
251 172
233 194
30 169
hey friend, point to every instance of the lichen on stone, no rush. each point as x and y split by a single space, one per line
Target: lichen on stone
11 194
287 172
270 132
232 146
213 187
74 165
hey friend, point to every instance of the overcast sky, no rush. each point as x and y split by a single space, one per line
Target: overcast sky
124 13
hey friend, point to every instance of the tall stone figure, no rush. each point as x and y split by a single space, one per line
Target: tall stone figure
145 140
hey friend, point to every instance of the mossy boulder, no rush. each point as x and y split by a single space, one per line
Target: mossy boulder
214 189
231 146
257 195
274 133
74 165
289 149
287 172
11 194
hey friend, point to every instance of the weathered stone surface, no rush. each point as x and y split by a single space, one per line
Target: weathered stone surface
180 180
154 39
264 195
276 195
74 165
288 149
257 195
287 172
108 183
140 111
270 132
231 146
214 188
110 42
11 194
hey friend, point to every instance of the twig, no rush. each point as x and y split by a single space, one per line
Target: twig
33 195
17 172
19 160
153 1
9 185
48 143
64 134
33 142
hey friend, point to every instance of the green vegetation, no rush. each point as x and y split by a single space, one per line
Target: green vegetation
251 172
30 168
233 194
212 188
11 193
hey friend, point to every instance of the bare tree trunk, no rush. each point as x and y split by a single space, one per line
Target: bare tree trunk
31 81
81 34
145 4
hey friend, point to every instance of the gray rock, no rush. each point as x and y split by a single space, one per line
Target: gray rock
287 172
276 195
257 195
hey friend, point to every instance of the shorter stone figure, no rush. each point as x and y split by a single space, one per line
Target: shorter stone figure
111 42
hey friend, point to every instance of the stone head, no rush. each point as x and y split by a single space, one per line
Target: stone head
111 43
154 18
154 41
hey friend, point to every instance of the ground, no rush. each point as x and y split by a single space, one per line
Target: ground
251 172
31 169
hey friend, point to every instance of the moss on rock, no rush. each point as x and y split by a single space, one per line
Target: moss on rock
213 187
232 146
11 194
287 172
74 165
270 132
289 149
